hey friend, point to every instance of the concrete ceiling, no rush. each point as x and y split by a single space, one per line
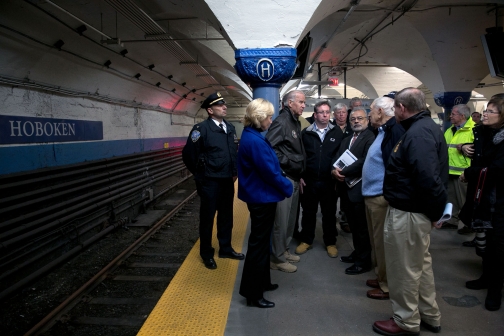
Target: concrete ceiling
387 45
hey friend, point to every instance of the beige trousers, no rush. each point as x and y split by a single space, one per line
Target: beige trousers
409 269
456 195
376 211
285 220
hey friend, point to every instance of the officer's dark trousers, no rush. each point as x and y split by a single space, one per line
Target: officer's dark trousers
356 215
216 195
256 271
316 192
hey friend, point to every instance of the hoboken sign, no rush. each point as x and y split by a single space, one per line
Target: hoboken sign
15 130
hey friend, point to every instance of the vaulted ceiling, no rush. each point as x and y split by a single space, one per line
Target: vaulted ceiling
169 55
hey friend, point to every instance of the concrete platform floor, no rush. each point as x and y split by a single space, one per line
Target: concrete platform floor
320 299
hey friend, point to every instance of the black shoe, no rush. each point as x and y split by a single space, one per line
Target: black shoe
470 243
430 327
354 270
448 226
348 259
261 303
493 300
232 255
271 287
477 284
465 230
210 263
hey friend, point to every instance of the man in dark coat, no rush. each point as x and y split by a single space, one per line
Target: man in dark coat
350 187
321 141
210 155
415 186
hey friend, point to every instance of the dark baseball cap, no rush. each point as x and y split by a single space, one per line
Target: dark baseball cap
213 99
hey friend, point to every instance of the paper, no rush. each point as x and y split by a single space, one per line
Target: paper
345 160
446 214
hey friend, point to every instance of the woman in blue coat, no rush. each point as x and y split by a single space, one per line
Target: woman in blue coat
261 185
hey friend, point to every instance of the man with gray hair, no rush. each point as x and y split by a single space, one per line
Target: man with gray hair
459 134
354 102
285 138
388 134
416 179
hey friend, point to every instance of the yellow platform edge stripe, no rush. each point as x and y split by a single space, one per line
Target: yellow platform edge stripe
197 300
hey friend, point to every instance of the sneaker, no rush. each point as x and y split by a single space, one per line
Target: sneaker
290 257
284 267
303 248
465 230
332 251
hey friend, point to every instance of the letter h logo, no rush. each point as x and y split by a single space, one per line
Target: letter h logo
265 69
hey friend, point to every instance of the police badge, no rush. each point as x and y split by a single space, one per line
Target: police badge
195 135
294 135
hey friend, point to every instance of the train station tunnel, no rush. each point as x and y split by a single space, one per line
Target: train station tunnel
99 98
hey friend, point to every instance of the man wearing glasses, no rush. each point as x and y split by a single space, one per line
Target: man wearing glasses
321 142
351 193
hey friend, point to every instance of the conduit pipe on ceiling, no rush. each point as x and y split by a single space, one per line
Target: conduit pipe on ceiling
76 18
324 45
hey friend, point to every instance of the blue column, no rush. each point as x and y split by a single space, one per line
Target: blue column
449 99
266 70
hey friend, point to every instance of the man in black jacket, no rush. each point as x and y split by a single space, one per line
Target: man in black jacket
210 155
285 138
321 141
351 194
415 185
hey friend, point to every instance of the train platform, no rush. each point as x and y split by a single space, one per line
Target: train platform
318 299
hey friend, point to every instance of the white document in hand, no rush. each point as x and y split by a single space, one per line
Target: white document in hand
446 214
345 160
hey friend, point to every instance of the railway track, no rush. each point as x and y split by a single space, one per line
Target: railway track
118 298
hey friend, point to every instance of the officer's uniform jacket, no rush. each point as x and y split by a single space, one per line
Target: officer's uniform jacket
210 152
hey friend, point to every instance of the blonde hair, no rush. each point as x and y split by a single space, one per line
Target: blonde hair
257 110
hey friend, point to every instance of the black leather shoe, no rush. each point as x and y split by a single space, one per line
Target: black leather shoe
354 269
348 259
210 263
271 287
261 303
430 327
232 255
477 284
493 300
470 243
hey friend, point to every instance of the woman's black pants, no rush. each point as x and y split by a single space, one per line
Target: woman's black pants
256 271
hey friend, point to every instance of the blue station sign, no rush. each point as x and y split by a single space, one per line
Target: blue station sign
17 129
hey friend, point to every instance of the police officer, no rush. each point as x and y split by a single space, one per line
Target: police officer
210 155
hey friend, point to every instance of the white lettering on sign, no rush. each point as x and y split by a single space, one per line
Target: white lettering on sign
265 69
27 128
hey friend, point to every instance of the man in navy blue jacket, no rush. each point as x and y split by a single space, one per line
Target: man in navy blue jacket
321 141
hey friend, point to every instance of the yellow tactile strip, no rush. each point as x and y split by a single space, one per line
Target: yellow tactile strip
197 300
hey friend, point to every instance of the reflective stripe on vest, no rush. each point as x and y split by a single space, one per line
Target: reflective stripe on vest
456 168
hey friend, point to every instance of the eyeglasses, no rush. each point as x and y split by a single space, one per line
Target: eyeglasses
490 112
357 118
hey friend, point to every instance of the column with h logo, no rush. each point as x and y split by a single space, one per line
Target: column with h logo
449 99
266 70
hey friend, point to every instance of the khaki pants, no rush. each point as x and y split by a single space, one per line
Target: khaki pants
376 211
285 219
456 195
409 269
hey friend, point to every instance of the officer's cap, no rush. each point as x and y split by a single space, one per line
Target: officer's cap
391 94
213 99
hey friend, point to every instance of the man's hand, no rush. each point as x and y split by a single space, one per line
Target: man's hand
467 150
462 178
337 175
301 185
437 225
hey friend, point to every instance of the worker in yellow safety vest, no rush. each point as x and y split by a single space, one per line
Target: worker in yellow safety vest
460 133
